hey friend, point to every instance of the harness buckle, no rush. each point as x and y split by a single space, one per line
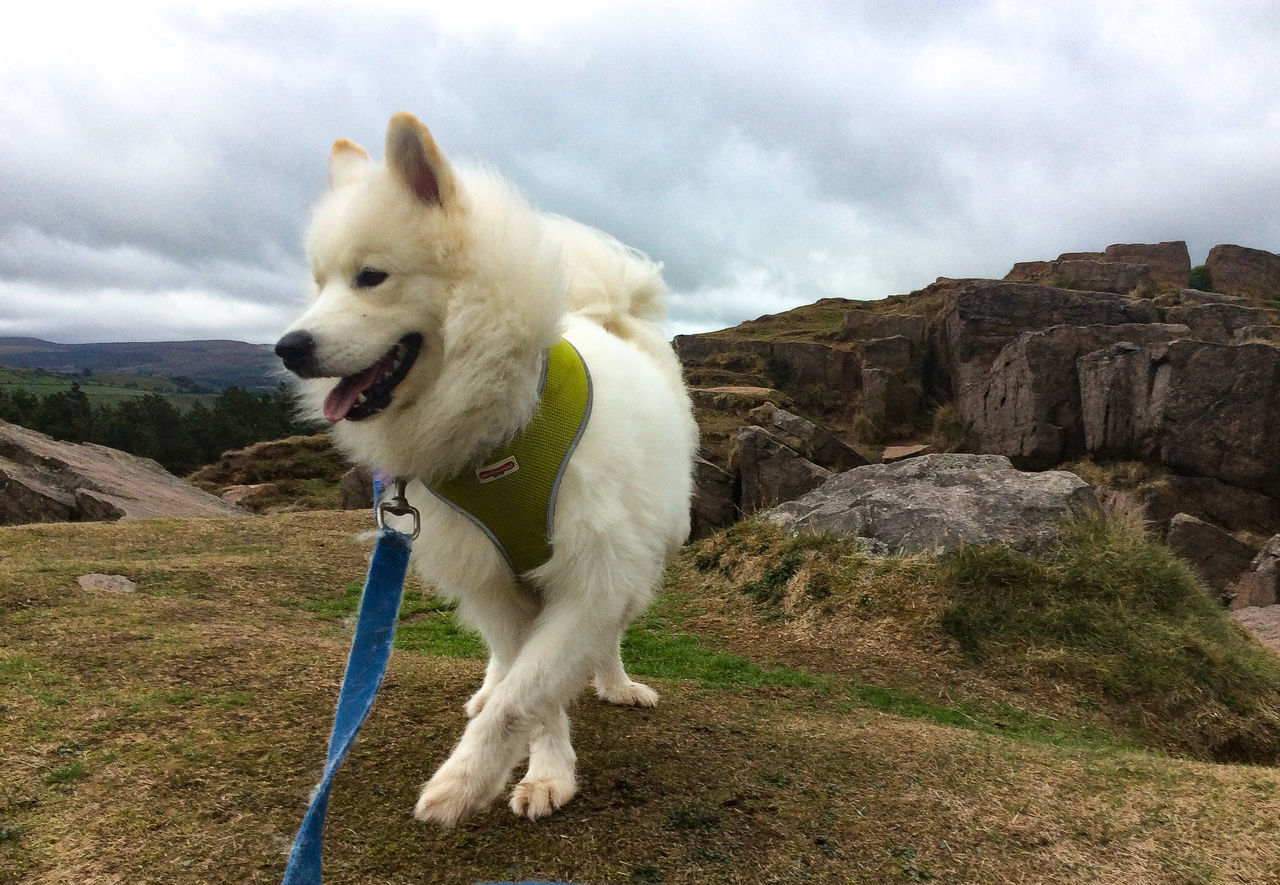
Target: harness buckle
397 505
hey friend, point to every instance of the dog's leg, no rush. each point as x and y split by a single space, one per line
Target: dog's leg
614 686
569 639
549 783
503 613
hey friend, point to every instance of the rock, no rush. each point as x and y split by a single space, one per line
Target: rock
866 325
1027 405
815 443
712 507
803 362
1260 586
1263 623
357 489
770 471
938 503
1083 274
238 494
1253 334
94 507
1216 557
892 454
1217 322
107 583
983 316
26 498
46 480
1204 409
1250 273
896 354
1196 296
1169 263
1227 505
721 398
889 400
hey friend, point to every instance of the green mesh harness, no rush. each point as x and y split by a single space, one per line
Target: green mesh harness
511 496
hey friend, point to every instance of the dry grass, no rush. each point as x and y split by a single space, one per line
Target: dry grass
172 735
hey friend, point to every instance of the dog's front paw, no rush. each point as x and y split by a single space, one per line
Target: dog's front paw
453 794
628 694
537 797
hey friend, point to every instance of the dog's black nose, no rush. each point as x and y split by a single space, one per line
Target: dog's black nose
298 351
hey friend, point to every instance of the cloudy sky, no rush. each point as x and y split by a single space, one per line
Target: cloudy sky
157 162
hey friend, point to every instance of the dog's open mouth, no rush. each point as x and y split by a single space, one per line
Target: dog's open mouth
367 393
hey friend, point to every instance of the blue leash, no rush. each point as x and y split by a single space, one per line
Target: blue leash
366 665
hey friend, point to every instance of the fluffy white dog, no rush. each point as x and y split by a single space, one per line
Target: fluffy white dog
438 293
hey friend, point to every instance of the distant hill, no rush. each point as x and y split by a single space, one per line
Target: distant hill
212 364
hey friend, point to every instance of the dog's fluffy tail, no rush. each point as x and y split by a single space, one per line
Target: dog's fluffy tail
616 287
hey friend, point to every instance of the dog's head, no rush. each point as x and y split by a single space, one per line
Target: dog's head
385 246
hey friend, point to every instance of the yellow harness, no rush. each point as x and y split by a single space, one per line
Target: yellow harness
511 496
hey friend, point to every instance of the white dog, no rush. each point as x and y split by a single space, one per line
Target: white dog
438 293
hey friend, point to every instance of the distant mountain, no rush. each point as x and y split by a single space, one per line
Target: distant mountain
214 364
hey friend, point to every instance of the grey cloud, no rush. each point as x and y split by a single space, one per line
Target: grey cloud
767 157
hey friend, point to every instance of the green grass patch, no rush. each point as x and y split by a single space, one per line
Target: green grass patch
66 774
427 623
1110 607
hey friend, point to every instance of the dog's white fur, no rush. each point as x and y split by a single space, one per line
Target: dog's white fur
490 283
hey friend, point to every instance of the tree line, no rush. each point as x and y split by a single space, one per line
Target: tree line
153 427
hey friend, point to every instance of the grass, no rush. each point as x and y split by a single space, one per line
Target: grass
106 389
1110 608
833 736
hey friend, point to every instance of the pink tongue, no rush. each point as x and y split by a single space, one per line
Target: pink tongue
343 397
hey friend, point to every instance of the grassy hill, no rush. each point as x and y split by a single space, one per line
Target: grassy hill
106 389
212 364
826 717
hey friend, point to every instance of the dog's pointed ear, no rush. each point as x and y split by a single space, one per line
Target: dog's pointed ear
413 156
346 162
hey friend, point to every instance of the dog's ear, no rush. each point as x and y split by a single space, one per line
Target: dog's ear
346 162
413 155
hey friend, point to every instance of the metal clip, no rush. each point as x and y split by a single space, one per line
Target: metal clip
397 505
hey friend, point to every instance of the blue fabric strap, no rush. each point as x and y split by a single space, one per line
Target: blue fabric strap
370 650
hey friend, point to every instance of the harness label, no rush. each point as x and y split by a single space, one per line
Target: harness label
497 470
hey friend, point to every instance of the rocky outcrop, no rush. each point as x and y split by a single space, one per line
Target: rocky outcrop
983 316
1027 405
814 443
1260 585
1121 269
1217 557
1102 355
713 506
770 471
1169 263
801 362
1083 274
1217 322
46 480
1203 409
938 503
1250 273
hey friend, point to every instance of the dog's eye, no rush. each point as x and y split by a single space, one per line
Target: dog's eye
368 278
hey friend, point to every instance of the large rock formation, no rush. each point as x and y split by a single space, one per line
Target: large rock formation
1251 273
1027 405
939 502
1099 355
46 480
983 316
1122 269
1208 410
